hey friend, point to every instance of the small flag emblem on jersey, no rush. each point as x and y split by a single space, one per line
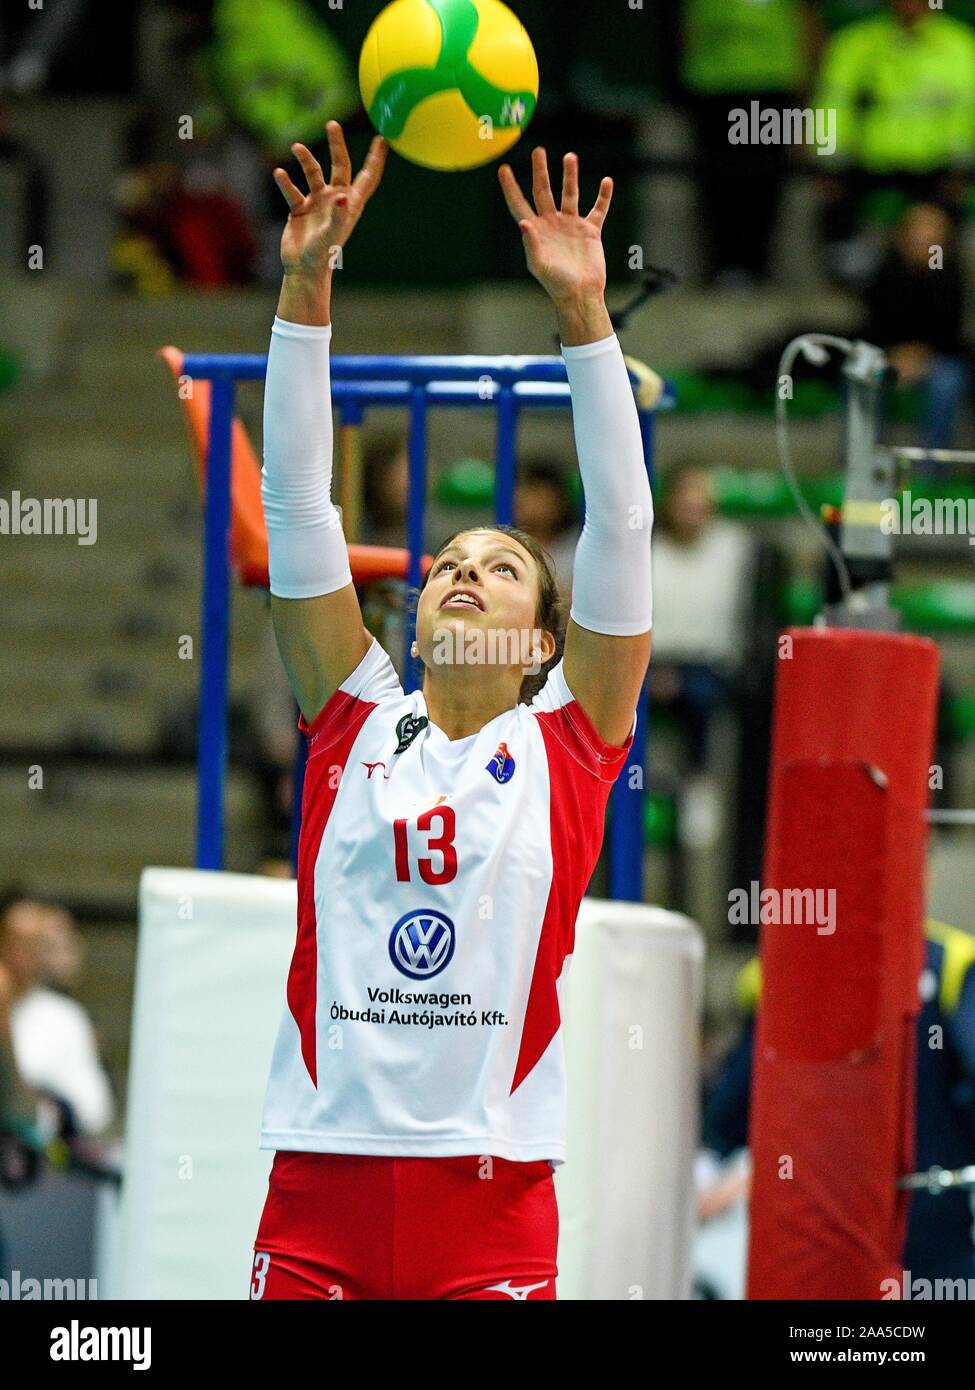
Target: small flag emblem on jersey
502 765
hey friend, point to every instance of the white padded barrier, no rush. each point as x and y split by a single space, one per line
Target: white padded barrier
632 1027
213 956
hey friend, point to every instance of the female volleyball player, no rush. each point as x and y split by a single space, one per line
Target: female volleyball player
416 1100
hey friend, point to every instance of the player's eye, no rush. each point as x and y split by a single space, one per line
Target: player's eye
446 565
503 565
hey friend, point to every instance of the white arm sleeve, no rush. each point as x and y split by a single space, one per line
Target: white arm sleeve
307 554
611 582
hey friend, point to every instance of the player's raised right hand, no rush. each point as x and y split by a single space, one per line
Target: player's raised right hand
323 218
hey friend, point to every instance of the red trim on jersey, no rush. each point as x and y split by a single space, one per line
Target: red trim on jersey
582 769
332 732
576 732
340 710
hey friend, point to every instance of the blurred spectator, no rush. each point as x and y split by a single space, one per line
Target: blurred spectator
544 507
734 52
181 227
902 85
64 949
17 1162
916 306
16 1100
54 1044
385 490
702 579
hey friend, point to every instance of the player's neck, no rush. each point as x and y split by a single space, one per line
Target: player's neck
460 700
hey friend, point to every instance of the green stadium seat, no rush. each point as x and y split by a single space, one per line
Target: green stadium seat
9 370
467 483
659 820
960 715
763 494
802 599
945 606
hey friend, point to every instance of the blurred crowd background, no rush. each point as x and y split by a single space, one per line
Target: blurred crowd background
137 209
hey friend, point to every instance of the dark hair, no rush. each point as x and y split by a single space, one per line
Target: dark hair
10 895
548 610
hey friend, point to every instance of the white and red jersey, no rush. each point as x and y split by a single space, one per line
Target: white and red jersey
438 886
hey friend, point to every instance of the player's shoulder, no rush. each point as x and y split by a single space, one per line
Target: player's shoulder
570 729
373 684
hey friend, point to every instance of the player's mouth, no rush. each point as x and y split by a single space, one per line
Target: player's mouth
463 598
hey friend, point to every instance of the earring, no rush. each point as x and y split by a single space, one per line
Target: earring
414 651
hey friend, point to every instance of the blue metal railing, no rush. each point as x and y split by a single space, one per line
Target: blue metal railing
505 383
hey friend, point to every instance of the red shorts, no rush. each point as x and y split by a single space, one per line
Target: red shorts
356 1226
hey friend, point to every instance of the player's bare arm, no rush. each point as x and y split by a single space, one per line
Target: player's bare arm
321 638
565 255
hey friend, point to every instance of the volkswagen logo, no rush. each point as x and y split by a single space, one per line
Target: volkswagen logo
422 943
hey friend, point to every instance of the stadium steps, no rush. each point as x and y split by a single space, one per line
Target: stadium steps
48 727
86 836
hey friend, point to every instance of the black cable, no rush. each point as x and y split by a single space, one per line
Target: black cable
656 280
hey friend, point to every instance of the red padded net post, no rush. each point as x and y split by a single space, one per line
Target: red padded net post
833 1083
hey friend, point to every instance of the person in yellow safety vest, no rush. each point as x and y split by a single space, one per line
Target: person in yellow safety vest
735 52
939 1243
901 87
279 71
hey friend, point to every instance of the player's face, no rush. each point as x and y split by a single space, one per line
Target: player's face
483 585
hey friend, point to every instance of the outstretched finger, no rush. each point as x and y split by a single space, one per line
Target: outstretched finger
293 196
367 179
338 150
601 206
570 184
518 205
541 187
312 168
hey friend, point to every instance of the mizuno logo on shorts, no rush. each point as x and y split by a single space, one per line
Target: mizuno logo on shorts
519 1291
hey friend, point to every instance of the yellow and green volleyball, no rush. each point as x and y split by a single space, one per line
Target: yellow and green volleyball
451 84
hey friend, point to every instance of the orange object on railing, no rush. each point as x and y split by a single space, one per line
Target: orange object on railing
248 532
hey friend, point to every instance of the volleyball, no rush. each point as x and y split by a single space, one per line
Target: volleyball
451 84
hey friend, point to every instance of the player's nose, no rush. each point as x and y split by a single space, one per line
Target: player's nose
469 570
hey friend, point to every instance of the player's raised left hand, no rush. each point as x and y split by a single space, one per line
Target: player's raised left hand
564 249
